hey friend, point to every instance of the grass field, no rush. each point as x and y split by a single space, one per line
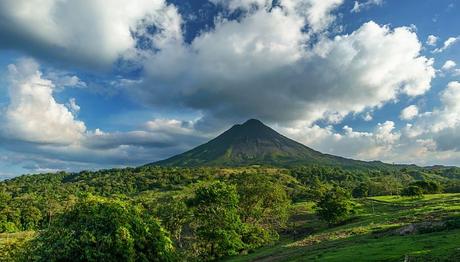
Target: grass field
389 228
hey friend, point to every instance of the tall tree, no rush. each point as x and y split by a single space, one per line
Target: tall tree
218 225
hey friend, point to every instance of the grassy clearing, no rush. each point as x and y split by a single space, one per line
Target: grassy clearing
371 235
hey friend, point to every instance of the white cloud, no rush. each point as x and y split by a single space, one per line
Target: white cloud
41 134
172 126
432 138
72 105
358 7
263 60
432 40
441 125
409 112
448 65
33 114
233 5
377 144
368 117
448 43
318 14
94 32
63 80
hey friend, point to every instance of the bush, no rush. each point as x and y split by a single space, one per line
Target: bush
334 206
97 229
412 191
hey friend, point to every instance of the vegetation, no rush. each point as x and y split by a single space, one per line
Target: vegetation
99 229
384 228
172 213
412 191
218 226
334 206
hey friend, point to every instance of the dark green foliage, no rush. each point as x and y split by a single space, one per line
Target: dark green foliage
334 206
412 191
452 187
98 229
218 226
428 187
362 190
174 215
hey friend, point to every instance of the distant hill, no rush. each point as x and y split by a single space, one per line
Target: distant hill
254 143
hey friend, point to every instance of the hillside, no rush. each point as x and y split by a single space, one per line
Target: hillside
254 143
386 228
261 197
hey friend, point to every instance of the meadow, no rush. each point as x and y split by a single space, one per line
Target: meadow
384 228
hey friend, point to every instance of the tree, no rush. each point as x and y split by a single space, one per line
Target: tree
98 229
218 226
362 190
174 215
263 207
412 191
428 187
334 206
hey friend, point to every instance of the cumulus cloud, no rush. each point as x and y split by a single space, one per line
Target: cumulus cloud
318 14
90 32
62 80
280 63
233 5
409 112
450 67
263 59
358 7
432 40
33 114
447 44
441 125
72 105
431 138
41 134
377 144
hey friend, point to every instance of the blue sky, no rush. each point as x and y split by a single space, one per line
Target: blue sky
97 84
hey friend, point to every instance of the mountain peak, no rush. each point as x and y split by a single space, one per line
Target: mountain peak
249 143
254 143
253 122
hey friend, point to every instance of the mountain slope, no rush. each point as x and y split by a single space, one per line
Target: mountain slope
254 143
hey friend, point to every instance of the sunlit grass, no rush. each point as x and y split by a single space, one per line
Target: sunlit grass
371 234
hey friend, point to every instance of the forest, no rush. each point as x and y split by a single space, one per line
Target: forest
187 214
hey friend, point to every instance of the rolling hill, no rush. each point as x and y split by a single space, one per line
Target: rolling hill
254 143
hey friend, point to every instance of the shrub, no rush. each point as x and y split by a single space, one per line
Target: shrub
334 206
412 191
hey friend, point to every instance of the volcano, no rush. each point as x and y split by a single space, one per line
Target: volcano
254 143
